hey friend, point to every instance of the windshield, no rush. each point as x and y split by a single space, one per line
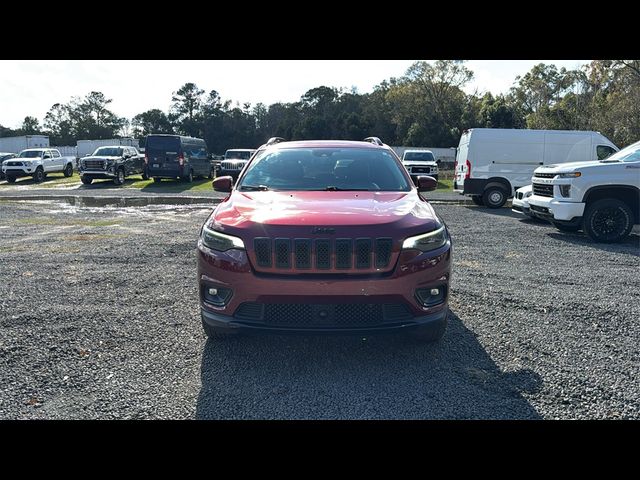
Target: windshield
423 156
108 152
628 154
239 154
325 169
30 154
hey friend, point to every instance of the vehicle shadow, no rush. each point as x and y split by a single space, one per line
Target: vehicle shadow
30 181
629 245
381 376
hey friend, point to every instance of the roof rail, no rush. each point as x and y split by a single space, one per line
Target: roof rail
374 140
274 140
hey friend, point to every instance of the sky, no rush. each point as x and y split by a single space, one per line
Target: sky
31 87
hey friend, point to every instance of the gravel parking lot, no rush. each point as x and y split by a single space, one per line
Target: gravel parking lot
99 318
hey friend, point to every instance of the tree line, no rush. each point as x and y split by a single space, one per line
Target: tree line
426 106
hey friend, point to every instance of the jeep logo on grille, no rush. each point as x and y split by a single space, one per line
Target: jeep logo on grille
323 230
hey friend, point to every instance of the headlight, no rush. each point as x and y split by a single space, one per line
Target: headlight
569 175
427 241
219 241
528 194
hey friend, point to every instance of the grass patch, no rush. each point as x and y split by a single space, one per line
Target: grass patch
171 185
444 184
52 180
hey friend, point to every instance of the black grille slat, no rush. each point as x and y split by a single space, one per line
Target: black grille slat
544 175
302 248
282 247
363 252
543 190
262 247
383 251
323 254
249 311
343 253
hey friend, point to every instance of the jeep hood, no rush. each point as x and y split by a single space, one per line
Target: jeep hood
387 212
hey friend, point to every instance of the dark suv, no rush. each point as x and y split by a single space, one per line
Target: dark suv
324 236
111 162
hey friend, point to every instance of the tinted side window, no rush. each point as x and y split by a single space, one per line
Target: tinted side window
604 151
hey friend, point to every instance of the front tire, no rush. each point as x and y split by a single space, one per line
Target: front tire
211 174
86 180
68 170
38 176
144 175
11 179
608 220
188 178
477 199
119 179
494 197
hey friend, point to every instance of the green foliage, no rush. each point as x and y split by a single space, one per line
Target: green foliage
426 106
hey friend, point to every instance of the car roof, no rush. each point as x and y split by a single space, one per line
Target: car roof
326 144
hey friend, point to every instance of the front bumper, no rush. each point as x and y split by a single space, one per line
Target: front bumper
520 207
554 209
98 173
18 172
233 270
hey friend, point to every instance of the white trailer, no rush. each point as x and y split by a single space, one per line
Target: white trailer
17 144
87 147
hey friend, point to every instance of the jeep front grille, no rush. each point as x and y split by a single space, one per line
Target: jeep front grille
322 253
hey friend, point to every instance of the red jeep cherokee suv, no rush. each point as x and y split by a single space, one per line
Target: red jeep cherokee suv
324 236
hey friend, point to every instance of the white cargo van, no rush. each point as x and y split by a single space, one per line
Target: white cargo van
492 163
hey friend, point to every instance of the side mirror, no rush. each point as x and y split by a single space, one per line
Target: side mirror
223 184
426 184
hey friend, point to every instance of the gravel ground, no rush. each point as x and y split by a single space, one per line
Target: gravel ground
99 319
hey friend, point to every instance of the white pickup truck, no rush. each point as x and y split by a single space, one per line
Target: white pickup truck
37 163
600 197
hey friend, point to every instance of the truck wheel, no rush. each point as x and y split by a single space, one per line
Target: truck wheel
607 220
38 176
211 173
68 170
215 333
86 180
144 175
119 180
156 180
477 199
188 178
566 228
11 179
430 333
494 197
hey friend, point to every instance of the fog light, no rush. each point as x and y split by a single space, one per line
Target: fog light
218 296
429 297
565 190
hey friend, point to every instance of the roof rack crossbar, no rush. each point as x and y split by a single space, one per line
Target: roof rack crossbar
274 140
374 140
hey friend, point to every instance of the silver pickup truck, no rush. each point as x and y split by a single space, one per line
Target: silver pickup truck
37 163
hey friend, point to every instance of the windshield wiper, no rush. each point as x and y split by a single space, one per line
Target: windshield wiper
333 188
260 188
